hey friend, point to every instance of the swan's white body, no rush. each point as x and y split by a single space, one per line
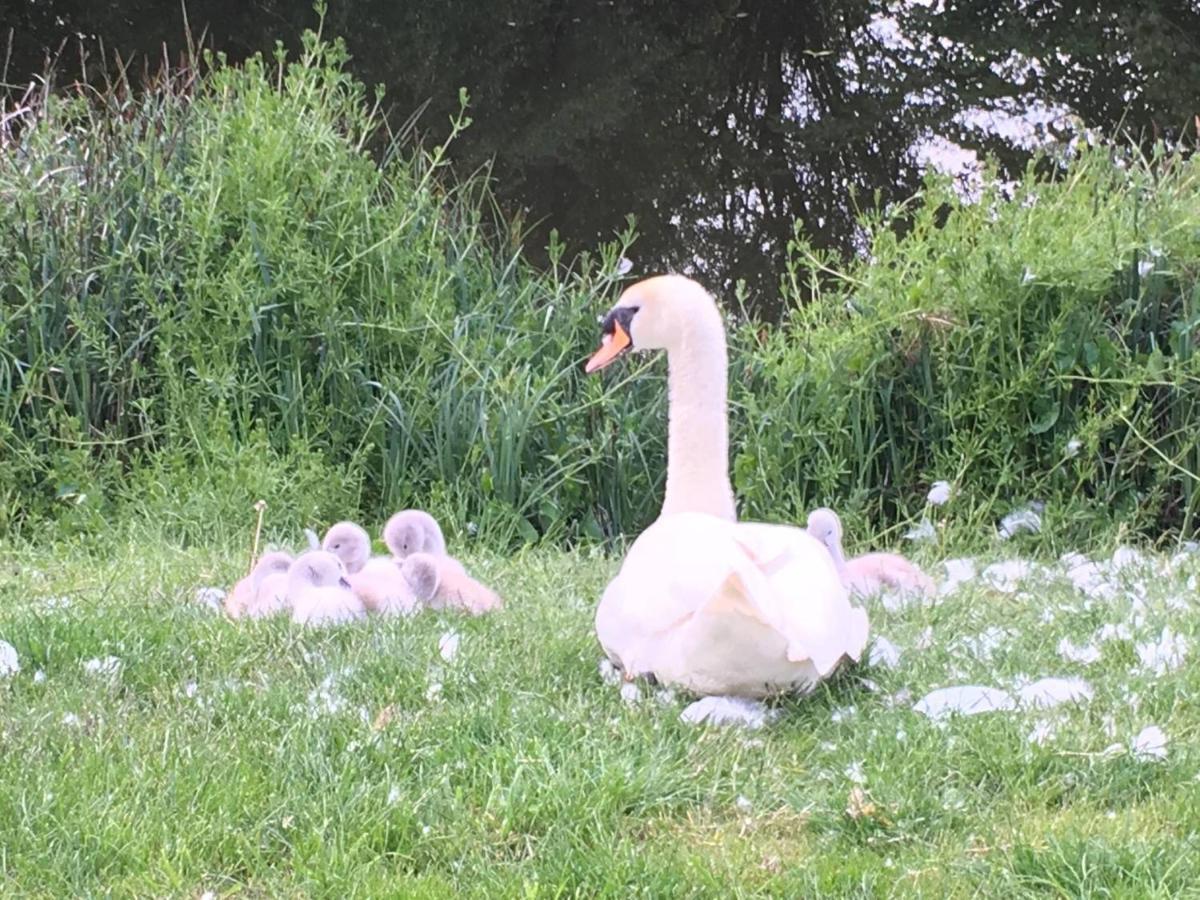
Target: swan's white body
702 601
724 608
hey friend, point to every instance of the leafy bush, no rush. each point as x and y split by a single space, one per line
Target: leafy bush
236 283
209 280
1037 343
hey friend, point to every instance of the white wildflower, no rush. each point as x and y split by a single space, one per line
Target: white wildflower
856 773
624 266
1118 632
736 711
923 531
1048 692
842 714
884 653
324 699
9 664
939 493
1043 732
608 672
958 572
1163 655
39 676
1086 654
1074 445
1144 267
448 645
967 700
1028 518
209 597
433 693
109 666
1150 744
1006 576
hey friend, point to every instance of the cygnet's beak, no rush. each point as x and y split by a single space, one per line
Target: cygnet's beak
616 340
343 582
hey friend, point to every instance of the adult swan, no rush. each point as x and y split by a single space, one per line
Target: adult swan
702 601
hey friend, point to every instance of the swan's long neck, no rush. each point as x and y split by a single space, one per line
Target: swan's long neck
698 429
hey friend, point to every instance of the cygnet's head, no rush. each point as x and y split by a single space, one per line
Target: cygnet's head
349 543
420 570
826 527
316 568
656 314
413 531
271 563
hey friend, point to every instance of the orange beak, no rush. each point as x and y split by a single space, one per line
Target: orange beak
611 346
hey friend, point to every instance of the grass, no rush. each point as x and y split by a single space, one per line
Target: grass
263 760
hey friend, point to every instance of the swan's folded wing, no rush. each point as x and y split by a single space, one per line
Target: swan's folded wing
798 590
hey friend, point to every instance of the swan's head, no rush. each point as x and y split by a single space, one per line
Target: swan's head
826 527
421 572
316 569
413 531
654 314
272 563
349 543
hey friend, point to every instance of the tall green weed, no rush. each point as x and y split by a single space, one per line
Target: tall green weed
235 283
1034 344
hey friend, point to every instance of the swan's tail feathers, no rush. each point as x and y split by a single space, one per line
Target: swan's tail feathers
859 630
767 566
732 597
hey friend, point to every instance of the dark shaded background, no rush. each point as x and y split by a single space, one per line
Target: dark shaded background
718 124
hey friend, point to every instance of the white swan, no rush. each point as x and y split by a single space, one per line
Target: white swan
870 573
702 601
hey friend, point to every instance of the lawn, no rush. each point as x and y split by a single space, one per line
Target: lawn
149 747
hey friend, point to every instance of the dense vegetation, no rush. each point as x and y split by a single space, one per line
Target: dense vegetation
236 283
